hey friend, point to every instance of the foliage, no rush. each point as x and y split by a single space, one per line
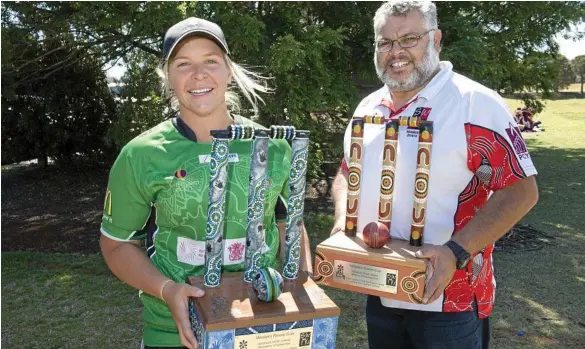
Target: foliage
578 64
318 55
62 115
140 105
500 43
565 76
80 297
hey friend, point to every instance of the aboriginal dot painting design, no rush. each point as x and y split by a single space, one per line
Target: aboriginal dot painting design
410 121
296 199
267 284
410 284
196 324
388 171
421 183
354 175
376 120
256 197
216 211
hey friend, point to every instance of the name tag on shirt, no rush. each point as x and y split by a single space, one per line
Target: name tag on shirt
205 159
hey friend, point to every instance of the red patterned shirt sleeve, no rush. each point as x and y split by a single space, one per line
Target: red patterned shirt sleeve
344 166
496 151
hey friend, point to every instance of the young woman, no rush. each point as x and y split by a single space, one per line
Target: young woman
158 186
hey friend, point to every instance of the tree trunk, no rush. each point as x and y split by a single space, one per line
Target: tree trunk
43 161
582 85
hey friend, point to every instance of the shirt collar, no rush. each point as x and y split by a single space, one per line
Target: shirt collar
431 89
188 133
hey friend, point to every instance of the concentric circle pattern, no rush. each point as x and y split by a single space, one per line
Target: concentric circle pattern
421 185
409 284
325 268
387 183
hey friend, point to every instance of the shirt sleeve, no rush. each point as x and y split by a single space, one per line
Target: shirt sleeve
496 151
126 208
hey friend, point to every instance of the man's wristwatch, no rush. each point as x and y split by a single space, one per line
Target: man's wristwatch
463 257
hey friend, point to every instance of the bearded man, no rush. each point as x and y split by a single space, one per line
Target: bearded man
481 182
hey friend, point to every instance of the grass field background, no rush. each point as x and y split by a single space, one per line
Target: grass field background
73 301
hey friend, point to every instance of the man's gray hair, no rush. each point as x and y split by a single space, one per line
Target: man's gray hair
427 9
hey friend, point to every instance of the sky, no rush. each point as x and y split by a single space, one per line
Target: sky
567 48
570 48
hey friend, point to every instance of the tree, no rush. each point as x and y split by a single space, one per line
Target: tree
492 42
140 105
318 54
565 75
578 64
60 116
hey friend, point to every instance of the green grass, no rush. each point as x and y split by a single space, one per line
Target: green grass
541 292
72 301
66 301
573 88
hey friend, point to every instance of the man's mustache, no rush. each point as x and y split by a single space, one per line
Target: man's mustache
401 58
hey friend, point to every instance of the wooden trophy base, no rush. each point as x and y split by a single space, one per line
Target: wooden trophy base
230 315
391 271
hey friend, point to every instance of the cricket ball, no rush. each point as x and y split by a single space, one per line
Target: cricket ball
376 234
267 284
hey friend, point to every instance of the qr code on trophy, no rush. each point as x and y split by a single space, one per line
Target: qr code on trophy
305 340
390 279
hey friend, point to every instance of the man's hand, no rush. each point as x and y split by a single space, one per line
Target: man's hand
443 263
338 226
176 296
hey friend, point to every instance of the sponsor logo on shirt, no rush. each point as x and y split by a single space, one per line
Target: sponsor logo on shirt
517 142
422 112
192 252
107 216
236 251
108 203
181 174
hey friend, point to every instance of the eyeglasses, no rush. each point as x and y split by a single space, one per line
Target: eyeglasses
404 42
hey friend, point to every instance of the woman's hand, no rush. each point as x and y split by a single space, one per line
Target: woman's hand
176 296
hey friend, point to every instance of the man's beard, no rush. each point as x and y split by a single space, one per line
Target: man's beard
418 77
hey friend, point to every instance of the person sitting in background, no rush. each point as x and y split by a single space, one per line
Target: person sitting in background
528 120
518 118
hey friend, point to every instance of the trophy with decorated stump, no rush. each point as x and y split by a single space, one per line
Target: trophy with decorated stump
259 308
370 261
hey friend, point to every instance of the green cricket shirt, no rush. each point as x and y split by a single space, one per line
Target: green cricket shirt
158 190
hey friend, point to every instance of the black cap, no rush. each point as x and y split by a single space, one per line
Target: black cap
193 26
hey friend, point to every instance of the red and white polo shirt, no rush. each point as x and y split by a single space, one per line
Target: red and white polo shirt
477 149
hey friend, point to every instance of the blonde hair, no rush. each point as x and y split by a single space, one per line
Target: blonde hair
249 83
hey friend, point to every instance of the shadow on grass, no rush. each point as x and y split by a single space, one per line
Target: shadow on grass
561 183
540 292
52 209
